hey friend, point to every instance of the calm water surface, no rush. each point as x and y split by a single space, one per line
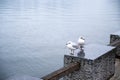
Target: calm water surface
33 33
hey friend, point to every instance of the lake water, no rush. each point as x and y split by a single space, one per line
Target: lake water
33 33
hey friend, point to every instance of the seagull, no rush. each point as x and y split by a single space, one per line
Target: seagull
72 46
81 42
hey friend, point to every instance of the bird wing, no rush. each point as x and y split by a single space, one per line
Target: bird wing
75 46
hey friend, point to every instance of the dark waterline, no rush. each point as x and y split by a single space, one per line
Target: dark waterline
33 33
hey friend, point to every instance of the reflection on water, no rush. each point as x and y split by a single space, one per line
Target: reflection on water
33 33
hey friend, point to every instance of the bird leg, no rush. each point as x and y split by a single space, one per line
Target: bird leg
72 52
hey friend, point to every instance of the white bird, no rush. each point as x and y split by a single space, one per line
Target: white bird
81 42
72 46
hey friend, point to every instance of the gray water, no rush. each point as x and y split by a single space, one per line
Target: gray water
33 33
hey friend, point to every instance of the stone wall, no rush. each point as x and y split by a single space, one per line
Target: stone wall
85 72
104 66
101 68
114 38
118 51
